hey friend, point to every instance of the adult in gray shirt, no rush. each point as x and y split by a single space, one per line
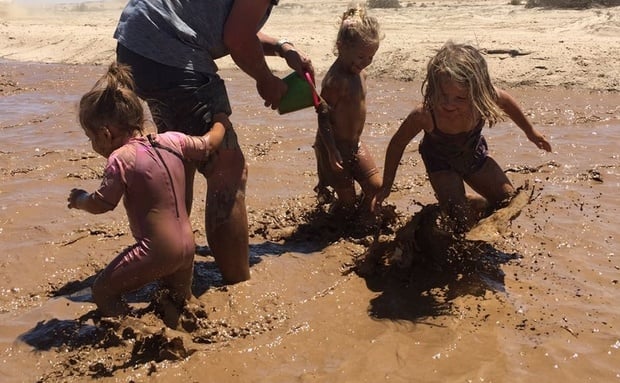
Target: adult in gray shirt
171 46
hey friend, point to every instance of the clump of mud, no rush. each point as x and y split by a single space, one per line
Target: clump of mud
426 241
95 347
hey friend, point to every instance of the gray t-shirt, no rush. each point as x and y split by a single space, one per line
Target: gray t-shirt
184 34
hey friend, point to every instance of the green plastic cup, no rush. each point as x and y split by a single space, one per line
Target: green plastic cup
298 96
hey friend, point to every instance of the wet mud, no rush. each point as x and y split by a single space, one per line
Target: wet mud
528 293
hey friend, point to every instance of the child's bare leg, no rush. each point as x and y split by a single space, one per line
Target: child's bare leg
346 197
179 291
450 191
323 194
369 178
492 183
226 219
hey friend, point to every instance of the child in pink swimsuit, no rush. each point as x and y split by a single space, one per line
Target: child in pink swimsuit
148 172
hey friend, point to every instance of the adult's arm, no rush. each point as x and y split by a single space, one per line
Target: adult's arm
296 59
246 49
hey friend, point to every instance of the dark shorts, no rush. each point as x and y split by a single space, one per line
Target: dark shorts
464 160
181 100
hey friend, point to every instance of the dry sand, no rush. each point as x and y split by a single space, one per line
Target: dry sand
569 48
537 302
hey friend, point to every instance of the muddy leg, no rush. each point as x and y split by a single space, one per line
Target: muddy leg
226 217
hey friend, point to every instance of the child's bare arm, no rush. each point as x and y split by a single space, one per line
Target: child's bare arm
511 108
215 136
329 93
409 128
199 148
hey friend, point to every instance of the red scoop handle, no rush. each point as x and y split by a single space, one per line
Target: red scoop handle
315 96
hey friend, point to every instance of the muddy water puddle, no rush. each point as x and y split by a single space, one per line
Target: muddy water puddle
549 314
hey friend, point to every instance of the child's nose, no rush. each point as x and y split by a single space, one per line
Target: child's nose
449 104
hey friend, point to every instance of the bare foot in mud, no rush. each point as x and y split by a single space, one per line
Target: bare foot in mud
192 313
179 315
168 309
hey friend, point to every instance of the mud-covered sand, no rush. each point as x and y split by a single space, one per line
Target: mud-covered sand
535 301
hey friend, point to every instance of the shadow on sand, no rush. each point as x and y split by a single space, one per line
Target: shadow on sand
423 268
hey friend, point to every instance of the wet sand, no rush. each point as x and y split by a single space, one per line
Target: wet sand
537 302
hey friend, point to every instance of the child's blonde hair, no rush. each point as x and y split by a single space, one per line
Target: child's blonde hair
464 64
357 26
112 101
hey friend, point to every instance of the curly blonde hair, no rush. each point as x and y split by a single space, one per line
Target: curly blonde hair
357 26
464 64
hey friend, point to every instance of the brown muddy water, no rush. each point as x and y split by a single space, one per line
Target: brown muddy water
540 304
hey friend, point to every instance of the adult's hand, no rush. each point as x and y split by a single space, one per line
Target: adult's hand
299 62
271 89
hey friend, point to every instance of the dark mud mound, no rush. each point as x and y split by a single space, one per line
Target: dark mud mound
424 240
422 267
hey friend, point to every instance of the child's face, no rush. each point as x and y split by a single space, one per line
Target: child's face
100 141
358 56
453 96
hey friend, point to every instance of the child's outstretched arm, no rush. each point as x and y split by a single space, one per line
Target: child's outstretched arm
83 200
409 128
200 147
215 136
511 108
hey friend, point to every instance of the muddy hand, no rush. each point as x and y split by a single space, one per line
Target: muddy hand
271 89
74 195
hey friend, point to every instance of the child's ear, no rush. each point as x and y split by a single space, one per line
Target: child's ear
105 131
106 134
